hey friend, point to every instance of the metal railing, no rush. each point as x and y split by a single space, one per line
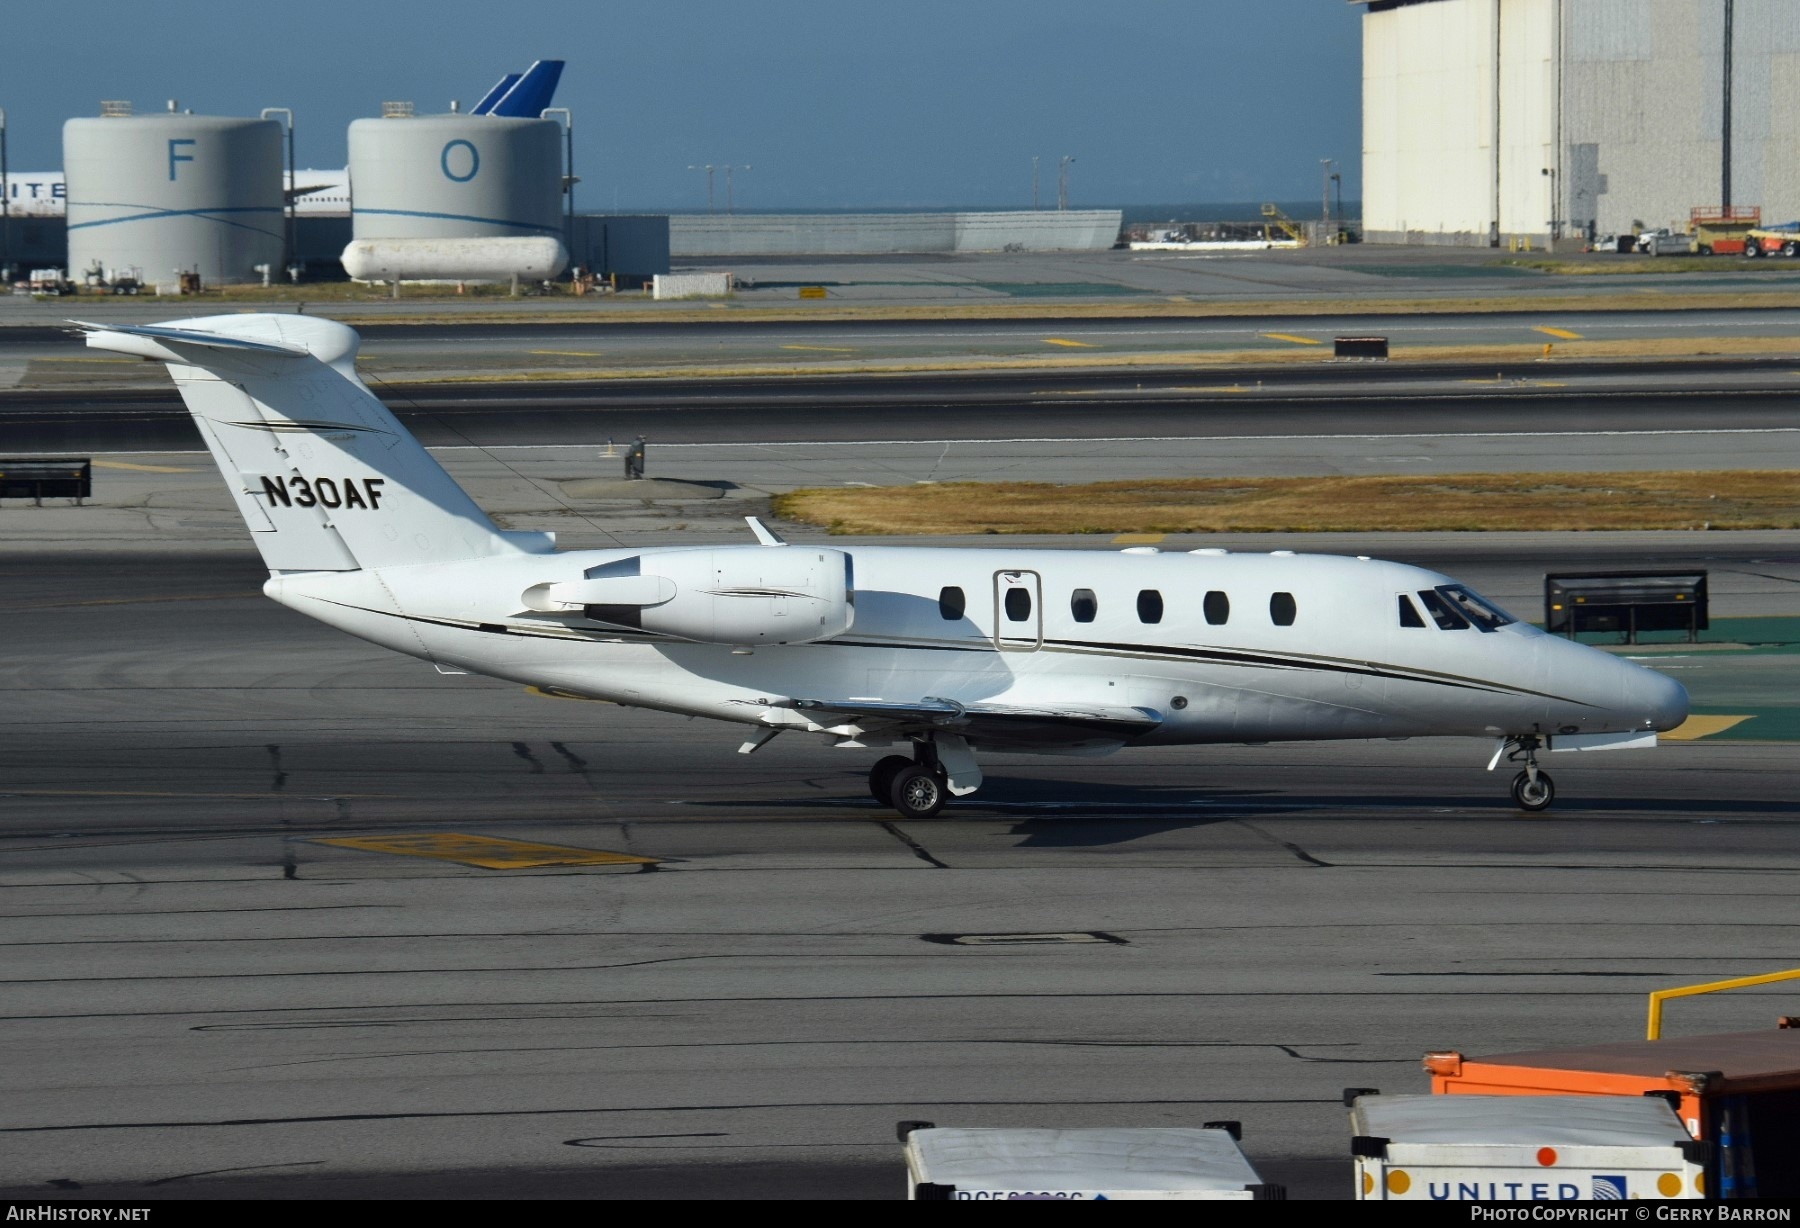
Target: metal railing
1658 997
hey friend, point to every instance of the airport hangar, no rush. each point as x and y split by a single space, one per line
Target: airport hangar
1487 122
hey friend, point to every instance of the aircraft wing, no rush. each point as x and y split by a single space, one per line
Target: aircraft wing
985 723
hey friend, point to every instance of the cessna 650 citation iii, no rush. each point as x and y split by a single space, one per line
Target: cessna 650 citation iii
950 652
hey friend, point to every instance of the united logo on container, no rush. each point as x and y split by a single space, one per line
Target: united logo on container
1609 1188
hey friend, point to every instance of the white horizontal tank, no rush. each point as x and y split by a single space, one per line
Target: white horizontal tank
456 197
161 194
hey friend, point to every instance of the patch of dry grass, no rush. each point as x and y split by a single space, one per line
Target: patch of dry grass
1756 499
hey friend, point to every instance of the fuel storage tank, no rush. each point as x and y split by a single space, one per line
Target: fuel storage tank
168 193
455 198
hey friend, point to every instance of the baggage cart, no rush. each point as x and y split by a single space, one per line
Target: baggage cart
1097 1164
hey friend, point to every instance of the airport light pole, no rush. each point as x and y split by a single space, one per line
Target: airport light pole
708 168
1062 182
289 246
728 170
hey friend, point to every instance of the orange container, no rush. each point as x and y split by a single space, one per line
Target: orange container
1738 1090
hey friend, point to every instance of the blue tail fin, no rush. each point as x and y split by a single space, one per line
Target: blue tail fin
531 93
496 94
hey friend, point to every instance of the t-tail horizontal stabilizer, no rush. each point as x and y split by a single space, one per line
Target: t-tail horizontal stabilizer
324 475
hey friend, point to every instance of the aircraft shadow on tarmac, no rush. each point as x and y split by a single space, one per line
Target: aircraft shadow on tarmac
1076 813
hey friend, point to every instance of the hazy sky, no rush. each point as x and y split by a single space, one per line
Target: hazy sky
834 104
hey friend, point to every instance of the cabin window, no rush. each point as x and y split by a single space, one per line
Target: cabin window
1409 613
1441 612
951 603
1217 608
1149 606
1477 609
1282 609
1083 605
1018 604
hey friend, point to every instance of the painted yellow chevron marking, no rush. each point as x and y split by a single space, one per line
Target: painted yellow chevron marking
1139 539
1702 727
822 349
567 353
1294 337
486 851
1564 333
1064 341
106 464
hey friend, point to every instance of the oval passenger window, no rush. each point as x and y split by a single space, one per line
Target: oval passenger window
1282 609
1150 606
951 603
1018 605
1217 608
1083 605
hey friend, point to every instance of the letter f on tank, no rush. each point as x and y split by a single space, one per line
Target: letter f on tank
178 157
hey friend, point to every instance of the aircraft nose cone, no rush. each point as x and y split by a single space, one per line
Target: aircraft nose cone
1660 700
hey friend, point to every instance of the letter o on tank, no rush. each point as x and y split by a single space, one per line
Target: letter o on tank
327 491
473 159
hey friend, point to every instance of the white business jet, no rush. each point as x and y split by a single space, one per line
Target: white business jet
949 652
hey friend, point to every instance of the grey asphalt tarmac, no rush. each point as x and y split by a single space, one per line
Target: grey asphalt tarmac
44 353
202 1000
981 408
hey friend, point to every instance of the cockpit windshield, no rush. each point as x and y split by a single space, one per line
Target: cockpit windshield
1473 606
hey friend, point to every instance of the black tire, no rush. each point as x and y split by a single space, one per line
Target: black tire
1790 250
1705 249
1752 249
918 792
1533 799
881 777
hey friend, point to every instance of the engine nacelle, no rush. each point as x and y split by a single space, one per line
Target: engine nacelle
730 595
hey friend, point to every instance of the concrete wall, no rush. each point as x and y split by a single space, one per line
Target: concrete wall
821 234
1643 89
1428 122
1623 100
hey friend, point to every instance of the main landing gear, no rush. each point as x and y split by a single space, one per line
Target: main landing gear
916 787
1532 788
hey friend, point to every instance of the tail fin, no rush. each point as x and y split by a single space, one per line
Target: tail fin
496 94
326 478
531 93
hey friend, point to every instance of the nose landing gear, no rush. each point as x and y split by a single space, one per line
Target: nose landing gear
1532 788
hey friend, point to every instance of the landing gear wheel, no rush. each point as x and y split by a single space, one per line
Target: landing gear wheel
881 777
1533 795
918 792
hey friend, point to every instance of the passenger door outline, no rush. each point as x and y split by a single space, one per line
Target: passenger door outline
1033 585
